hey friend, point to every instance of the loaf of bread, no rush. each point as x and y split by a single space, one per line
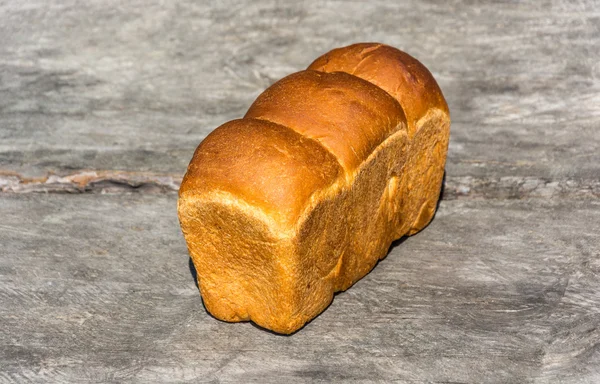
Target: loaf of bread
302 197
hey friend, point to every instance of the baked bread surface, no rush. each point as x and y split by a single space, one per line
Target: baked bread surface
301 197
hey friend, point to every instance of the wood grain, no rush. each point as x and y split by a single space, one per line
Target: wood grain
136 86
97 288
108 99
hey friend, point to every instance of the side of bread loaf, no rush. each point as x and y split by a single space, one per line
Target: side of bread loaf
301 197
411 83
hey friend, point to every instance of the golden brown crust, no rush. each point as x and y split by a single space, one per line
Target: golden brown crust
347 115
394 71
300 198
265 164
411 83
250 268
242 260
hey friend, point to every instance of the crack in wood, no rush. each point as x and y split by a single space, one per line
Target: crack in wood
89 181
455 187
513 187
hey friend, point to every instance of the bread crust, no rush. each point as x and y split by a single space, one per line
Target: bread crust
265 164
301 197
427 114
396 72
347 115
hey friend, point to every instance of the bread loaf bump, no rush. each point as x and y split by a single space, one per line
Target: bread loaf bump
302 197
409 82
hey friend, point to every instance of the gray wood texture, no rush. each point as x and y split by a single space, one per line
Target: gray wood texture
102 103
135 85
98 288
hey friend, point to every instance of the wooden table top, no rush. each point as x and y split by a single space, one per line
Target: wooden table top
102 105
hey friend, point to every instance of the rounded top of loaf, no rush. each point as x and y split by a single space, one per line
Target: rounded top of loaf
265 164
394 71
311 129
349 116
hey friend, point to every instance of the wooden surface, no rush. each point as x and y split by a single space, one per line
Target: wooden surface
106 100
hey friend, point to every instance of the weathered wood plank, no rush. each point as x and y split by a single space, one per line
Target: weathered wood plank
98 288
135 86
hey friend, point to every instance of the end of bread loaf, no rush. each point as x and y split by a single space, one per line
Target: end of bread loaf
302 197
244 261
238 206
